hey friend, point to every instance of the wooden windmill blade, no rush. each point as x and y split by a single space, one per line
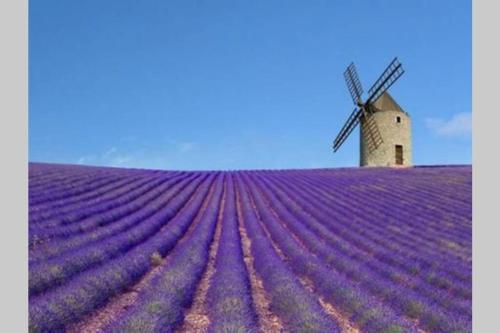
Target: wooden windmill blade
348 127
371 132
370 127
356 90
353 83
364 110
388 130
390 75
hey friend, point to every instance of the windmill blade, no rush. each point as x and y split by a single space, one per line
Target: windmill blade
371 132
387 79
348 127
353 83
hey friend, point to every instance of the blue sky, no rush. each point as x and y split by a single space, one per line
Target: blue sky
239 84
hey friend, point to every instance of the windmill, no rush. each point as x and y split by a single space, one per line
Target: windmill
385 130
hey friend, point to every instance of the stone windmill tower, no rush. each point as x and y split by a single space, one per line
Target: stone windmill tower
385 131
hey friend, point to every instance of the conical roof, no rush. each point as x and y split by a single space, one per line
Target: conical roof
385 102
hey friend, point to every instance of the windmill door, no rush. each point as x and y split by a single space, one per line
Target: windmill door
399 154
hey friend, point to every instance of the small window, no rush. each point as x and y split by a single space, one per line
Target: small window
398 119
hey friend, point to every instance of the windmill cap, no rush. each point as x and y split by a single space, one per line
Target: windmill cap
386 103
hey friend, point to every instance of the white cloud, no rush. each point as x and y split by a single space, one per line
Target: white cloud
116 156
152 161
110 152
184 147
121 160
460 124
85 159
113 157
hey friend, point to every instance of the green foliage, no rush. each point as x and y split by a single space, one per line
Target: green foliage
230 305
155 307
156 259
231 327
414 309
138 324
56 271
393 329
367 316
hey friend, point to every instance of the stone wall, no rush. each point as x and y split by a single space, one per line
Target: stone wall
393 133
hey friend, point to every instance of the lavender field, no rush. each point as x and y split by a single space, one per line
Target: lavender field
323 250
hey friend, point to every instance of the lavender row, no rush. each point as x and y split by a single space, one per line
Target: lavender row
160 306
386 200
47 211
48 273
71 213
382 259
394 273
54 175
401 298
299 310
425 182
89 194
101 194
418 200
419 278
60 307
65 188
431 186
57 176
378 231
390 181
77 188
377 251
366 312
420 204
84 177
452 180
363 233
119 217
57 179
104 225
229 297
344 236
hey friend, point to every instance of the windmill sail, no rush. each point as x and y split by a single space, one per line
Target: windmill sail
371 133
353 83
364 110
348 127
387 79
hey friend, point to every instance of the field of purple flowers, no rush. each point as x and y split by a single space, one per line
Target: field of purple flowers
323 250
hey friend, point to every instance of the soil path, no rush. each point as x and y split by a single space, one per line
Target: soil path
268 321
196 318
116 306
345 324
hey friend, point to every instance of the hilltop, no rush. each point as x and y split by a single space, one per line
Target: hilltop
322 250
